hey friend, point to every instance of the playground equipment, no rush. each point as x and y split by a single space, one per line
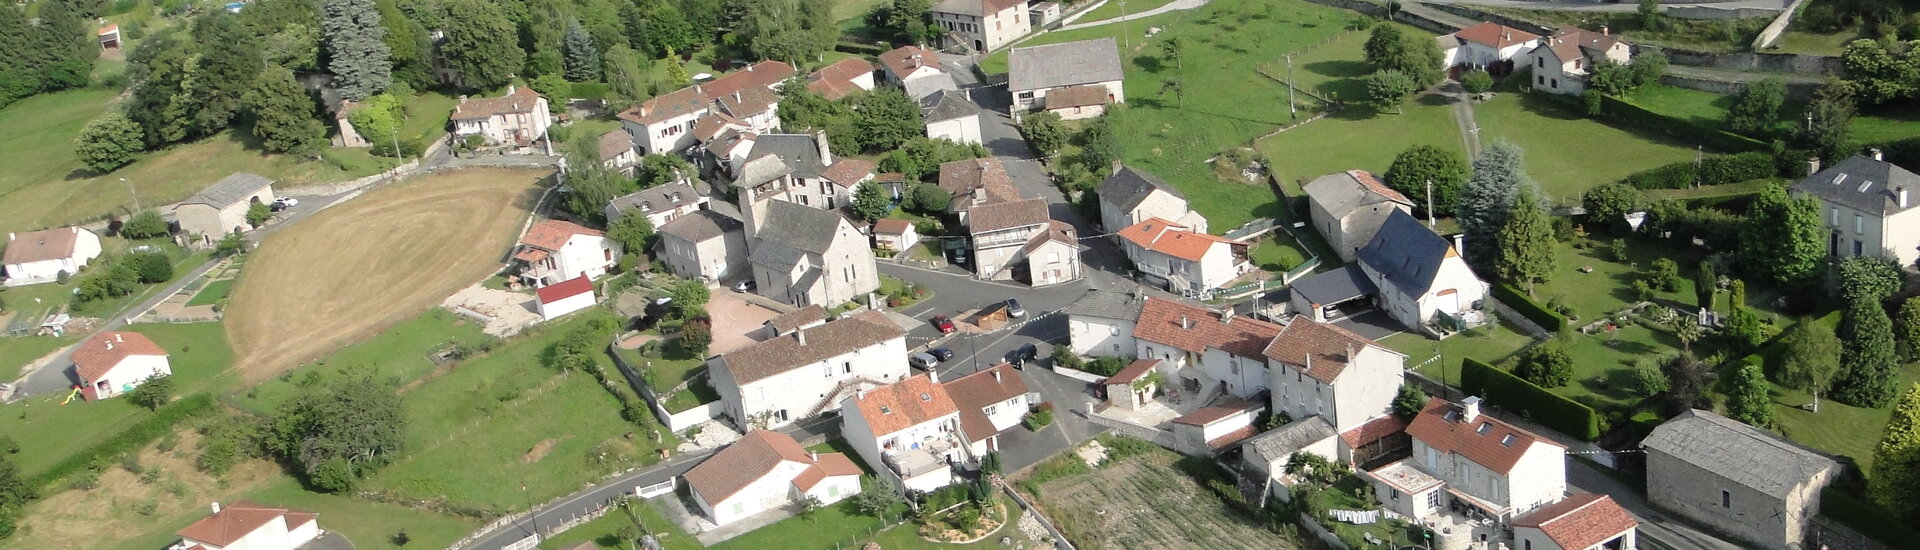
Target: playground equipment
70 396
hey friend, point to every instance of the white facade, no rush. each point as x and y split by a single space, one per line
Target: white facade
584 255
769 492
1101 337
807 386
985 25
26 269
1363 391
964 129
1027 100
563 306
127 375
1455 290
663 136
1215 268
518 118
274 534
1538 479
938 433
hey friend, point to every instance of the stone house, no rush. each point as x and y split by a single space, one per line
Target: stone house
1464 459
1077 102
804 256
221 208
41 256
617 151
661 204
245 525
1016 240
1182 260
1736 479
346 135
1490 46
1121 387
1865 204
1100 324
704 245
557 250
1581 522
1562 62
516 119
1270 451
949 114
1131 196
113 363
795 168
1349 207
1033 72
767 470
811 371
981 25
1319 369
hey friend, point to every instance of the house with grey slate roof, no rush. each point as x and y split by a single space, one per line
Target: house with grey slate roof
1269 452
1034 71
704 244
949 114
1867 205
221 208
1131 196
661 204
796 168
1101 323
1735 478
1420 275
805 256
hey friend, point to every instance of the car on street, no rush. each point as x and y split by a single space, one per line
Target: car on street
944 323
942 353
923 360
743 286
283 203
1019 357
1014 310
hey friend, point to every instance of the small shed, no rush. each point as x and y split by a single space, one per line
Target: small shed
1122 390
109 36
892 234
565 297
222 207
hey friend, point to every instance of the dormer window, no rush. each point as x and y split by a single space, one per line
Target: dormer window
1508 440
1484 428
886 410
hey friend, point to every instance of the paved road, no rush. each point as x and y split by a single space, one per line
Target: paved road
1175 5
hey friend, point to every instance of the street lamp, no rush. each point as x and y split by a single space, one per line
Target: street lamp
136 196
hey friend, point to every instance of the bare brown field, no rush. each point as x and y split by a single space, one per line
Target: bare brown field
1147 503
124 505
358 268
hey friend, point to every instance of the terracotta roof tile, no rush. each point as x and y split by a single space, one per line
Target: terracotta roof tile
996 216
564 289
892 226
1172 239
975 392
235 520
614 144
789 321
1077 96
749 102
1442 426
519 101
1495 35
962 177
1216 412
836 81
904 404
1580 521
906 59
825 466
1323 346
550 235
779 355
679 102
1373 430
1230 438
99 354
43 245
712 125
758 75
1161 322
745 461
848 171
1133 371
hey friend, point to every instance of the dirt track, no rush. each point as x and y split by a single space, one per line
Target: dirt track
363 266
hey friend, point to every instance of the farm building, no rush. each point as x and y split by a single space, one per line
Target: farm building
222 207
1736 478
113 363
41 256
1035 72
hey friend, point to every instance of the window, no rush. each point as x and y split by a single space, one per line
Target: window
1859 224
990 409
1540 62
1555 83
1726 499
1833 217
1528 545
1484 428
1857 249
1540 79
828 371
1433 499
833 491
846 367
739 507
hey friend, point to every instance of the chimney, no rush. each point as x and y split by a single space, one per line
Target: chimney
933 375
820 141
736 97
512 88
1902 192
813 456
1116 166
216 507
996 375
800 336
1472 407
1813 165
1876 154
117 337
76 229
1226 315
860 394
1185 322
1603 30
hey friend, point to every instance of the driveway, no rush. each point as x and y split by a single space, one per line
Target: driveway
734 320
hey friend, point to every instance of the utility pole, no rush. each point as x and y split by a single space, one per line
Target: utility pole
1293 110
1430 222
130 191
1125 39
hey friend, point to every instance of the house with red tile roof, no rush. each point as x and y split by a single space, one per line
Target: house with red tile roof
991 402
767 470
1562 62
1203 352
842 78
41 256
516 119
1348 208
1581 522
666 123
1182 259
910 427
1466 460
1320 369
113 363
981 25
910 62
245 525
555 300
1491 46
557 250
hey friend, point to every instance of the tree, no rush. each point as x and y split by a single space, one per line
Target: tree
1744 330
1610 78
1881 73
1547 365
1388 48
1828 118
157 390
810 508
1649 380
1487 197
634 233
1687 381
1906 328
1811 359
930 198
694 338
877 497
228 66
378 119
150 267
657 169
1609 203
1647 68
1686 329
1384 46
1783 238
283 114
357 53
625 75
1408 403
341 432
1869 369
1176 86
1706 283
229 245
1044 131
1748 400
886 119
480 44
870 202
1476 81
1869 278
1649 12
1895 484
1413 169
582 57
1526 244
593 185
1757 108
145 224
677 71
258 213
108 143
689 298
1170 50
15 491
1390 88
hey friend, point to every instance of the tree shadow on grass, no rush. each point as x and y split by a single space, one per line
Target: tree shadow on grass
1151 64
1339 68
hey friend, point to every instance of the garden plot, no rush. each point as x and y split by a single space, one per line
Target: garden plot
1147 502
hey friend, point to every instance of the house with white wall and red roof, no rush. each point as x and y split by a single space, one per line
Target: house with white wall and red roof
556 250
113 363
765 471
1467 465
1580 522
244 525
555 300
37 257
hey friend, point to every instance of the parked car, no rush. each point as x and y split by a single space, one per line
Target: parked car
923 360
959 256
283 203
1019 357
942 353
944 323
743 286
1014 310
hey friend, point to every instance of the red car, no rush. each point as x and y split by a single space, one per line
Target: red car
943 323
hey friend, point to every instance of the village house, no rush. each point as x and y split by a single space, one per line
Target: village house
1131 196
1320 369
1100 324
1218 426
991 402
617 151
1489 46
974 182
245 525
894 235
1736 478
557 250
1184 261
1466 462
42 256
1562 62
804 256
981 25
1203 352
784 380
910 427
842 78
1043 13
1077 102
795 168
1581 522
221 208
703 245
1865 203
1271 451
767 470
516 119
909 63
1349 207
1415 276
950 115
113 363
665 123
561 298
1034 72
789 322
660 204
1015 240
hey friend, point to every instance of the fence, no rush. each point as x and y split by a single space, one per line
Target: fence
1252 229
673 421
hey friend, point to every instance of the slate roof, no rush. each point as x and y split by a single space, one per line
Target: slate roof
615 143
1406 253
947 105
519 100
1863 184
996 216
848 171
42 245
761 169
910 402
1128 186
1216 412
922 87
1443 426
1321 349
975 392
1077 96
1133 371
659 198
1333 287
793 320
800 229
1172 239
1741 453
745 461
99 354
1066 64
1160 322
239 519
229 190
550 235
1286 440
1580 521
1106 304
798 151
1341 193
779 355
700 225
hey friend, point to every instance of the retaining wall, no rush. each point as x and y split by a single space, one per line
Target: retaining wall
1798 91
1802 64
1718 12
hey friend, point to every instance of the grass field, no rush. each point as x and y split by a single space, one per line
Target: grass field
1488 343
1814 43
1147 502
1117 8
211 293
1567 153
1277 253
287 310
1838 428
15 353
398 354
1332 144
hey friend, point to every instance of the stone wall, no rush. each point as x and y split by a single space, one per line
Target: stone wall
1811 65
1719 12
1729 84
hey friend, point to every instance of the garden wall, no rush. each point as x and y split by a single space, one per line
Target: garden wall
687 418
1802 64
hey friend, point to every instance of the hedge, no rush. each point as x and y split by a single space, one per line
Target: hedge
1714 170
1678 175
1524 398
857 48
127 441
1548 319
1870 520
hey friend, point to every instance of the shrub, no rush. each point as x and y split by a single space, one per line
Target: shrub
1663 274
1679 175
1063 356
145 224
1107 366
1039 419
128 440
1548 319
1523 397
1725 169
151 267
1548 365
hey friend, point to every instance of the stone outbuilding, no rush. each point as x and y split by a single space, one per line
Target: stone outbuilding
222 207
1736 478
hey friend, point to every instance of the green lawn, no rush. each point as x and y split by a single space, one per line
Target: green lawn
602 532
1603 365
398 355
1116 8
1610 286
1358 138
370 525
1704 108
1888 125
1489 344
213 292
834 526
15 353
1838 428
1277 253
1813 43
1567 153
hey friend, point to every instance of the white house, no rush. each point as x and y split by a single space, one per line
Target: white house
1131 196
804 256
617 151
665 123
558 250
910 427
1491 46
1562 62
783 380
895 235
975 182
1202 351
1349 207
1865 206
949 114
1218 426
245 525
981 25
1100 324
1420 275
991 402
1477 461
767 470
221 208
113 363
661 204
517 119
1320 369
1184 261
564 297
842 78
909 63
1584 521
705 245
1016 240
1035 71
41 256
